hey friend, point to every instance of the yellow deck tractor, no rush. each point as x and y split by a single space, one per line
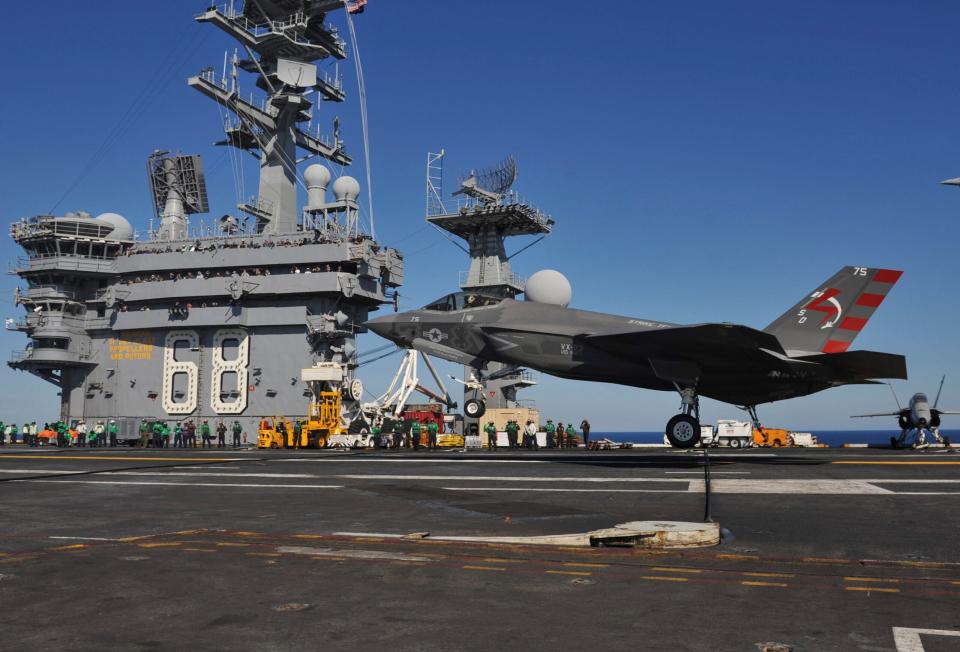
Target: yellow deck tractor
275 433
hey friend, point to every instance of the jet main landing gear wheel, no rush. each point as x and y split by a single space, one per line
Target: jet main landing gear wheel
474 409
683 431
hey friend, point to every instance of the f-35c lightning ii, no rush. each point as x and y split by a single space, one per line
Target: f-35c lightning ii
802 352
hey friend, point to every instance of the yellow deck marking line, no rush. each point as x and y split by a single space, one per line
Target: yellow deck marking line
732 556
243 533
955 582
4 554
10 560
897 463
308 536
262 554
663 578
234 545
498 560
870 579
774 584
121 458
165 544
878 589
563 572
200 549
825 560
75 546
674 569
769 574
483 568
585 565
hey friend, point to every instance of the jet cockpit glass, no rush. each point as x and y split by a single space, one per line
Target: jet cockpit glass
920 398
461 301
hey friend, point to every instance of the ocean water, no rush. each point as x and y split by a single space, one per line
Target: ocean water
833 438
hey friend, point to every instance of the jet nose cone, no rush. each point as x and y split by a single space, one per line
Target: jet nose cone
383 326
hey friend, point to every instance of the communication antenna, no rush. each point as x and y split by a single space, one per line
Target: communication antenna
894 395
939 390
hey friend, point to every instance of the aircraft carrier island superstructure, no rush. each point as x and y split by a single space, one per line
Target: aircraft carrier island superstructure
216 322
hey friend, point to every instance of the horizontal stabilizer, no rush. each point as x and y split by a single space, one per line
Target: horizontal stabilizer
858 366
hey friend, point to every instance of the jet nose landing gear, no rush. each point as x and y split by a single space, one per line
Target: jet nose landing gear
683 430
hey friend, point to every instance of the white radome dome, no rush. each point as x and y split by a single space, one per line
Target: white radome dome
122 229
549 286
317 176
346 188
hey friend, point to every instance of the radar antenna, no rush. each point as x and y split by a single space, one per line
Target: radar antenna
489 186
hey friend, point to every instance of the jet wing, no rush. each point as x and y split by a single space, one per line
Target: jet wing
882 414
687 341
678 353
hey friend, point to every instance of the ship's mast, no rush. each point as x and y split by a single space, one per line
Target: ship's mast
282 39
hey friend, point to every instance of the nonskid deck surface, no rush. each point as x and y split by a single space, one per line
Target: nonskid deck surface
824 549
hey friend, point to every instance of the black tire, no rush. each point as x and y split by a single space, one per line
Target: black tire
904 422
358 426
946 441
734 443
683 431
935 420
474 409
893 442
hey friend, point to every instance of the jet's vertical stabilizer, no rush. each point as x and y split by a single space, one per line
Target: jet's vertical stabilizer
828 319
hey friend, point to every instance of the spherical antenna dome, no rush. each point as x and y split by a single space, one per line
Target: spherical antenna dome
346 188
122 229
316 175
549 286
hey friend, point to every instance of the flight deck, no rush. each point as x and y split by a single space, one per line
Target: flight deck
822 550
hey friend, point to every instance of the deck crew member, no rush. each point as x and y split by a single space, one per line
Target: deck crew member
221 434
551 430
237 429
191 432
93 437
205 434
112 430
415 435
61 434
491 431
397 435
178 436
81 433
297 433
560 434
530 435
432 430
143 433
569 435
585 429
513 429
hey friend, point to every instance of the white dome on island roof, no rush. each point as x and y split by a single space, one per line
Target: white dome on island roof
346 188
548 286
122 229
317 176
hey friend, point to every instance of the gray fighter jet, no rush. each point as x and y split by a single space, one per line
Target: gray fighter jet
916 420
802 352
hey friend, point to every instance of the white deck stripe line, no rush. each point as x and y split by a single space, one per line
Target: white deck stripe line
215 474
84 538
195 484
712 472
565 490
506 478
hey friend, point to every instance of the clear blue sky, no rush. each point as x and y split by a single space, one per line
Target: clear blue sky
704 161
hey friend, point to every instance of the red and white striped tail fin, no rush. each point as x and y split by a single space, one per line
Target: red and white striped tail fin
828 319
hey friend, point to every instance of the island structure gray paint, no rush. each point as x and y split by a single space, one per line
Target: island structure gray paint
215 323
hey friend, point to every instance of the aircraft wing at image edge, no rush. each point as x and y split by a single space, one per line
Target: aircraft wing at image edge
818 329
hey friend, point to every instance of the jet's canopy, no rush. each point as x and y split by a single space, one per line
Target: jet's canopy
461 301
